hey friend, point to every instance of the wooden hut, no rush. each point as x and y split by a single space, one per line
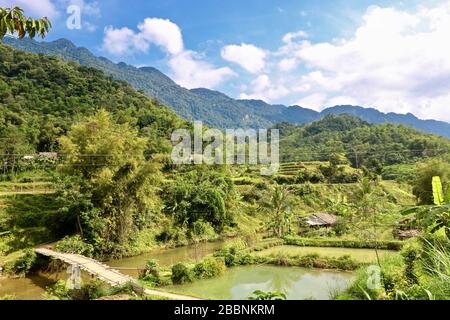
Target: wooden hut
321 220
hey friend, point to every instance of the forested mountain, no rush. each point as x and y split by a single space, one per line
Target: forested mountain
371 145
215 108
42 96
188 104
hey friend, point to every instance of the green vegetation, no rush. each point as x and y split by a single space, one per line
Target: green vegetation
363 144
104 186
12 20
22 263
261 295
41 97
421 272
342 243
181 274
91 290
202 103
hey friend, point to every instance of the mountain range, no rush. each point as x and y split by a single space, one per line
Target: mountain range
212 107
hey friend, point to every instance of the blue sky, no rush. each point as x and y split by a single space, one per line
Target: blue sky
392 55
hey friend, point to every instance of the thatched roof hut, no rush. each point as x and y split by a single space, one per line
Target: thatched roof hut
321 219
406 234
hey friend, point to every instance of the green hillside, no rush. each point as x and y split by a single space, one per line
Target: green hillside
41 96
361 143
215 108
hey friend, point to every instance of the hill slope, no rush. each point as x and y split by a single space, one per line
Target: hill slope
41 96
362 143
215 108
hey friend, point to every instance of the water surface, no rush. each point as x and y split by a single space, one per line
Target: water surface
297 283
166 257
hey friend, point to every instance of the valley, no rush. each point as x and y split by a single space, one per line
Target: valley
86 169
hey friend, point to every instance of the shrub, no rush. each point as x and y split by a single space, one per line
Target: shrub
202 230
250 237
181 274
261 295
173 234
261 186
59 291
410 254
209 268
230 252
22 265
286 180
150 274
75 245
90 291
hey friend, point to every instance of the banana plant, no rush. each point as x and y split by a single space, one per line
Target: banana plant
438 192
434 217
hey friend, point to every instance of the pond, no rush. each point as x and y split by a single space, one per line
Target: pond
297 283
166 257
359 255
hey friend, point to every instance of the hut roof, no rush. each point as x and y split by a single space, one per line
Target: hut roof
321 219
407 234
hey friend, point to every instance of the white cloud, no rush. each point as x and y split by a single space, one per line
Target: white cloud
248 56
191 72
291 36
288 64
263 88
160 32
38 8
187 67
123 41
163 33
314 101
396 61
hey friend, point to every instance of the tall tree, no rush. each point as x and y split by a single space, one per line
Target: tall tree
278 207
13 20
112 189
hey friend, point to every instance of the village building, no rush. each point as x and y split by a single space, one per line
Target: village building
320 220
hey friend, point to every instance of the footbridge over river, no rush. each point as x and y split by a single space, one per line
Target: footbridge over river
105 273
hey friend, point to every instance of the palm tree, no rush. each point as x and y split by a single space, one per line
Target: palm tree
278 207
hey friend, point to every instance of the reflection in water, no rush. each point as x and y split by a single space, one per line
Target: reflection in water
297 283
30 288
167 257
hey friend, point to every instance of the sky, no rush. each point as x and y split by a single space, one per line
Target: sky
390 55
